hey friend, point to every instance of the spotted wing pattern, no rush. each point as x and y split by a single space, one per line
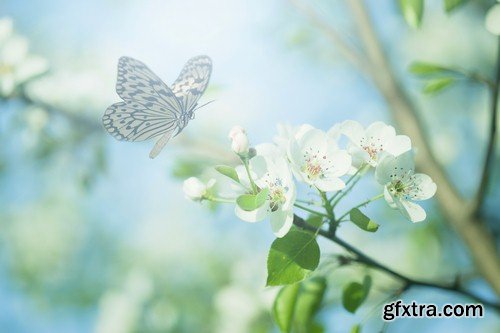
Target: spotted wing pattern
192 81
149 107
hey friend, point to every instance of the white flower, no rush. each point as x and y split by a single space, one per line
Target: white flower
371 144
492 20
270 170
287 132
195 189
317 160
239 140
402 185
16 65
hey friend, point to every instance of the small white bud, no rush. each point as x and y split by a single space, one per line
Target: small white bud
236 130
195 189
239 144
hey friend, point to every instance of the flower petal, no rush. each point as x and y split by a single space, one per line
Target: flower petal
353 130
358 155
341 162
258 167
14 50
389 198
314 139
303 129
411 211
394 167
399 145
425 188
242 176
281 222
255 215
380 133
334 132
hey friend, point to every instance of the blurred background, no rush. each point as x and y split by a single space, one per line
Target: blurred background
96 237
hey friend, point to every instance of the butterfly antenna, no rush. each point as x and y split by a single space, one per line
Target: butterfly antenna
203 105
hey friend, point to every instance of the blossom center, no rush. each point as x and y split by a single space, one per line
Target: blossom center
313 169
315 165
277 193
404 184
372 146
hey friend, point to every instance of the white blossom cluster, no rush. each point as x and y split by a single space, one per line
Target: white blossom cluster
17 65
269 171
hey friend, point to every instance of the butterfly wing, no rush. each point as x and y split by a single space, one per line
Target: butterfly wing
149 107
134 121
192 81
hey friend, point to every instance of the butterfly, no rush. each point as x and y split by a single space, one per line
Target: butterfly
152 109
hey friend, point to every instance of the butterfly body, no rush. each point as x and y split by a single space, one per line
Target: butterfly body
150 108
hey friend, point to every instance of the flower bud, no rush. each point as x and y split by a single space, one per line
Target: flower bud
236 130
195 189
239 144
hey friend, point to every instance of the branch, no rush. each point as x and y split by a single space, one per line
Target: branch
490 151
408 282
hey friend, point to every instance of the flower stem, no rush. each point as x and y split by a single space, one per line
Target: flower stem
327 205
346 183
221 200
308 202
247 168
364 203
311 211
354 178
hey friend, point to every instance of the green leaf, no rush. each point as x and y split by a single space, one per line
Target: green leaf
284 306
362 221
438 84
413 11
450 5
354 294
251 202
228 172
356 328
309 303
292 258
425 68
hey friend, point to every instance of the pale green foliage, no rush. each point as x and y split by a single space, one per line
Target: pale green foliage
362 221
355 293
251 202
292 258
297 305
413 11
